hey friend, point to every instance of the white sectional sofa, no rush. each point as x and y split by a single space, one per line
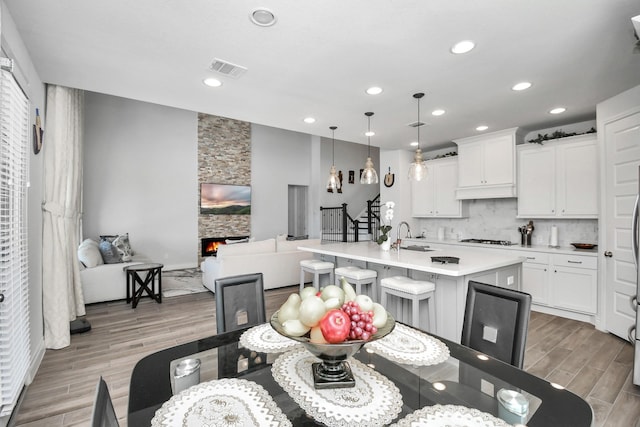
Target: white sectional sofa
277 259
105 282
100 281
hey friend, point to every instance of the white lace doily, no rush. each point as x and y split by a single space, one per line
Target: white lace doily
264 339
450 416
223 402
410 346
374 401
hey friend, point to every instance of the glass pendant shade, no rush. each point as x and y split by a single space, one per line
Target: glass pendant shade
369 174
333 183
418 169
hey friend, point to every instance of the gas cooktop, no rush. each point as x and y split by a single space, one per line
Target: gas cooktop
488 241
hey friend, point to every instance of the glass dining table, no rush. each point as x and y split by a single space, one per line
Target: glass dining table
464 378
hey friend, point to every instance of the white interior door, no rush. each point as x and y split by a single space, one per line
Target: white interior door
622 152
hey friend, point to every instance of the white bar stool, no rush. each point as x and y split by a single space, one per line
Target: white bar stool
415 291
315 267
359 276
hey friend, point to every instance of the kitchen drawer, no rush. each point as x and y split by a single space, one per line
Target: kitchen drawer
532 257
536 257
575 261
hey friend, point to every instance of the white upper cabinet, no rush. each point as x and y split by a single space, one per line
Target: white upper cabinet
558 179
434 196
487 165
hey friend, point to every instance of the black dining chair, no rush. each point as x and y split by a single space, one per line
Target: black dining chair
496 322
103 414
239 302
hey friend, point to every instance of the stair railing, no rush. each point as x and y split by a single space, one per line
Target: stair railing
339 226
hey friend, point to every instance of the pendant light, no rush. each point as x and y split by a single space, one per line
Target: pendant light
369 174
418 169
333 183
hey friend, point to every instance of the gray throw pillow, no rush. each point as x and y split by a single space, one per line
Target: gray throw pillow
109 252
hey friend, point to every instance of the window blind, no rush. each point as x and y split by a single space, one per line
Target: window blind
14 283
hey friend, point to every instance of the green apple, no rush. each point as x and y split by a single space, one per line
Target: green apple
332 291
294 328
307 292
365 303
312 309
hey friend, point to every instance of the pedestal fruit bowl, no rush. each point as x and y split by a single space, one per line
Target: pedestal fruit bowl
333 371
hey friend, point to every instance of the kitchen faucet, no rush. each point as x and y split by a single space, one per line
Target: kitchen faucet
398 240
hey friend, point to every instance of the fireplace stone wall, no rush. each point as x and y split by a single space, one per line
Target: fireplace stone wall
224 157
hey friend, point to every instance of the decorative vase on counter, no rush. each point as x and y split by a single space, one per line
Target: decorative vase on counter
386 245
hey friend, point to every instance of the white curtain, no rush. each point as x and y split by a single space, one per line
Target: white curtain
62 149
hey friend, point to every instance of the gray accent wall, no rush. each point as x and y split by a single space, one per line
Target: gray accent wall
140 177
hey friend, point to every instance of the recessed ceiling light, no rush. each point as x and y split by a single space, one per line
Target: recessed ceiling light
374 90
370 133
558 110
211 82
463 46
262 17
521 86
309 120
482 127
414 144
437 112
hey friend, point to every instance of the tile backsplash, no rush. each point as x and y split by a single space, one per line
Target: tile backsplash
496 219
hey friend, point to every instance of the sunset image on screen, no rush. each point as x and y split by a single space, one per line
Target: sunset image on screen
224 199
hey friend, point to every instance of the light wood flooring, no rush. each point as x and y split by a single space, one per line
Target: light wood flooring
595 365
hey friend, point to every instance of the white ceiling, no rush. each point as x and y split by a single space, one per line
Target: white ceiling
321 55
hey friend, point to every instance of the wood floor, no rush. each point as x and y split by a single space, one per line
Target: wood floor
595 365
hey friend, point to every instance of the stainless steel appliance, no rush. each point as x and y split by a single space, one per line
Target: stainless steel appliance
634 331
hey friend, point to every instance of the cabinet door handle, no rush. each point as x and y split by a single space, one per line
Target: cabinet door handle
531 257
608 254
574 262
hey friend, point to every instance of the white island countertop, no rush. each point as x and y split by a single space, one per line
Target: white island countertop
471 261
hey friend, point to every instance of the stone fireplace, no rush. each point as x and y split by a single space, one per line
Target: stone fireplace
209 245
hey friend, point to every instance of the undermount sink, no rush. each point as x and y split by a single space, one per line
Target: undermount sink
418 248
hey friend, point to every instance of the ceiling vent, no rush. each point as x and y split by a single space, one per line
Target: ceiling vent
416 124
227 68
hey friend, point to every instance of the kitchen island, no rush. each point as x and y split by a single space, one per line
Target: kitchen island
450 279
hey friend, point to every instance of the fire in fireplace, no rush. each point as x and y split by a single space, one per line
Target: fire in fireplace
209 245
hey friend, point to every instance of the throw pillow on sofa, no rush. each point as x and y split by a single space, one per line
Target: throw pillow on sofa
89 253
123 246
110 254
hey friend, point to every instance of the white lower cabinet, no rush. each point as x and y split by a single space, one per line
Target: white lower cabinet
574 283
535 277
567 282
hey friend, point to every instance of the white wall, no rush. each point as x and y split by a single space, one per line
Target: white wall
348 156
26 74
140 177
279 158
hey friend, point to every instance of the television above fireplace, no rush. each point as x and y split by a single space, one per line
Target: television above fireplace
225 199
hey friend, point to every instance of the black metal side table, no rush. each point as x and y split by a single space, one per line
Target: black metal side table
134 276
